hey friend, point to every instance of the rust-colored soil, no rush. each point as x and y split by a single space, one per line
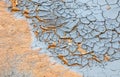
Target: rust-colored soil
16 57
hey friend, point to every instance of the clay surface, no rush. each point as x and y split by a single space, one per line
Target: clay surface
16 57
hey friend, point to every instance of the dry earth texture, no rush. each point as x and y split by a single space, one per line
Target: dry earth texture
16 57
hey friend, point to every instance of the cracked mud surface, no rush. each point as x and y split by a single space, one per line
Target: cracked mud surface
16 57
66 26
75 32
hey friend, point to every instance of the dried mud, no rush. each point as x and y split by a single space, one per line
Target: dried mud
16 57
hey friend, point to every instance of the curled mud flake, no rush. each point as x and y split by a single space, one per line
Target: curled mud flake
61 57
52 45
51 28
27 16
94 57
91 53
15 9
66 38
106 57
45 29
36 33
14 3
82 51
40 19
75 64
26 11
14 6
